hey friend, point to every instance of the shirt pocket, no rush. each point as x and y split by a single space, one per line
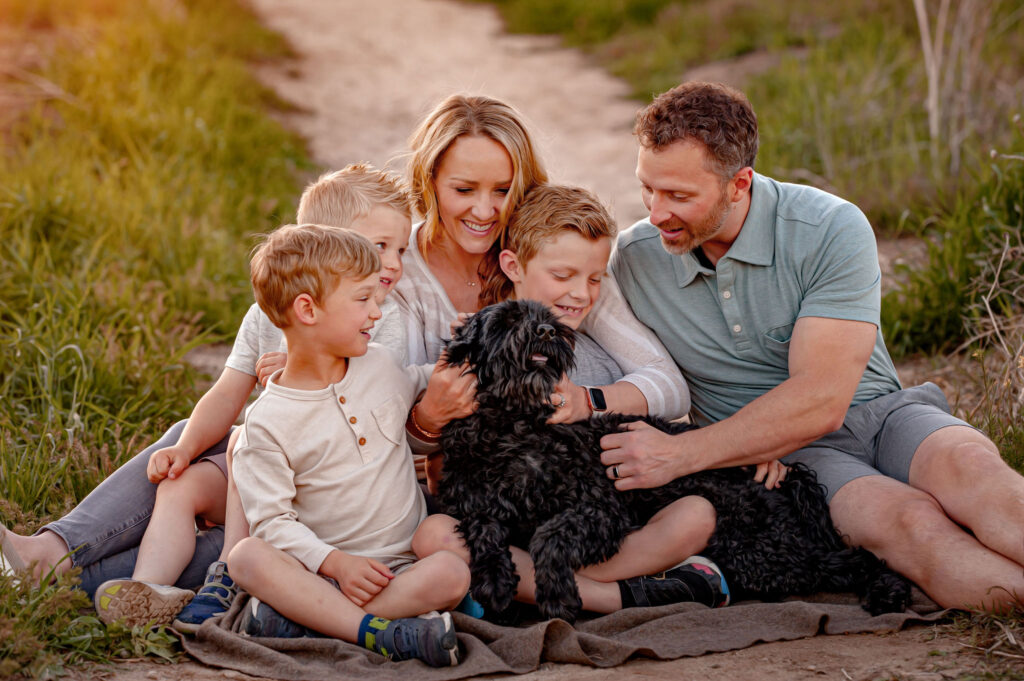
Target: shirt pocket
390 417
776 341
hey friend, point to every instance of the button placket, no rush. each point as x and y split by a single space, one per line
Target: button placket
728 303
353 421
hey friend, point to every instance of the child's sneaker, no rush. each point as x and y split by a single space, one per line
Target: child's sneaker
430 638
259 619
139 603
696 580
212 601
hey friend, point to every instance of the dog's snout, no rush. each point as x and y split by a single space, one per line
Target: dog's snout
545 331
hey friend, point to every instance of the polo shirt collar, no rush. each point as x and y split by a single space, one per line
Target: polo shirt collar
756 241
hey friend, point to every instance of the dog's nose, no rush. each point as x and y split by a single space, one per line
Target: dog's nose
545 331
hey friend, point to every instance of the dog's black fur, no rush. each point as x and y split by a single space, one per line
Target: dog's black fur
510 478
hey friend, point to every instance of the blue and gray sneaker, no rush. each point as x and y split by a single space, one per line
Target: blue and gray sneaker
430 638
259 619
213 600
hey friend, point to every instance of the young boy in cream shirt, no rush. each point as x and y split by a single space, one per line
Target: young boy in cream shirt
323 468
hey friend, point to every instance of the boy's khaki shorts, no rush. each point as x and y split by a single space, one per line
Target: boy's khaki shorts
879 437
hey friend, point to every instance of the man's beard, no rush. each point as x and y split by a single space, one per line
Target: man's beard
693 236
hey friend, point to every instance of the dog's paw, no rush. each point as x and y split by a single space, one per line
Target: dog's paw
494 589
558 599
560 610
888 593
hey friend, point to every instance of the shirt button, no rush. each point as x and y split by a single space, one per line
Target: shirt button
342 399
727 295
737 328
362 441
352 419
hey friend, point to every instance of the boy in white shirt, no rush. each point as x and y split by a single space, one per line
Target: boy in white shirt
323 465
370 201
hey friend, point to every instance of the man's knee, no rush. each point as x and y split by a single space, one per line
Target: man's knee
919 519
877 512
955 451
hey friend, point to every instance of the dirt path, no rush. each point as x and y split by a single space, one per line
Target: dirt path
366 72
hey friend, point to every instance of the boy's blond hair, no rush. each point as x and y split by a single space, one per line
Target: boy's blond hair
545 213
296 259
338 198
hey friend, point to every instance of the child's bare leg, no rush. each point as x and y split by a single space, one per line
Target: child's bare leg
170 539
437 582
675 533
285 584
236 527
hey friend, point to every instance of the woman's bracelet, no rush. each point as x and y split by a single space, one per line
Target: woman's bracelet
420 430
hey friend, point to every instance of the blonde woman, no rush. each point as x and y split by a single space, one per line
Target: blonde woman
472 161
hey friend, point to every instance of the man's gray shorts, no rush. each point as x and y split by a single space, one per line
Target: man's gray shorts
878 437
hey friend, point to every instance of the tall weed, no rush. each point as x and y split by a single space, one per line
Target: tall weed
938 304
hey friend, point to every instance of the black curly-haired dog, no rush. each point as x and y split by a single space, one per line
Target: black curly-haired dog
510 478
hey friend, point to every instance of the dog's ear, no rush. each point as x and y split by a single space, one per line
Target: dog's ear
466 339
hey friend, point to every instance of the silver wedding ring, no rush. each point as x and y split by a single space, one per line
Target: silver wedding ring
562 403
615 472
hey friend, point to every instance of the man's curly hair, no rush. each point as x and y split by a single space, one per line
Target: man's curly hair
713 114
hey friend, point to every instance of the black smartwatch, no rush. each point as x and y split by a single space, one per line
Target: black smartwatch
595 397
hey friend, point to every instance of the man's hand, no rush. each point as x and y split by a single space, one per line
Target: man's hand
168 462
268 364
772 473
570 402
642 456
360 579
450 394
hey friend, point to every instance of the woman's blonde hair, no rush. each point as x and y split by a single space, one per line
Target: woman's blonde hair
546 213
460 115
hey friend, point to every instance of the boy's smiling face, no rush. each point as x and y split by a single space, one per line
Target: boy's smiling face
565 275
346 316
388 230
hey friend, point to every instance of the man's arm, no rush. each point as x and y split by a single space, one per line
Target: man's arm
827 358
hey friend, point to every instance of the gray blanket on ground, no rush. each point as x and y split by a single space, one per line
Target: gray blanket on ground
661 633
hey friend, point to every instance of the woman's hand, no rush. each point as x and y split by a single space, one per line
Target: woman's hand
268 364
570 402
450 394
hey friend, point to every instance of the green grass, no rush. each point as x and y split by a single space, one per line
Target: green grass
126 209
129 194
46 629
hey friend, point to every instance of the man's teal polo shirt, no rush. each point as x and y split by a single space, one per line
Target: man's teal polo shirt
800 253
